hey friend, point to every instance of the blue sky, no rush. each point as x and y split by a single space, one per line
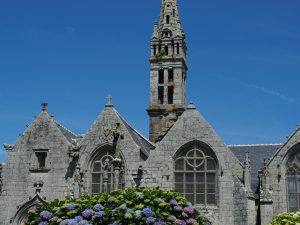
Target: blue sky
243 56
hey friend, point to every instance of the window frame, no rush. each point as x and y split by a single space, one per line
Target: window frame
197 171
293 178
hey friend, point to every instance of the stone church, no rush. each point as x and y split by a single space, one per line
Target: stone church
234 185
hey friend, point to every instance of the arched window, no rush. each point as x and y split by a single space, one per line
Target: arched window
196 174
107 173
293 182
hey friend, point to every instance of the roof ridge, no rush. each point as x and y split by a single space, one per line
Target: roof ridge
71 132
246 145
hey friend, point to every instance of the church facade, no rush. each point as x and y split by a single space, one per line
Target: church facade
235 185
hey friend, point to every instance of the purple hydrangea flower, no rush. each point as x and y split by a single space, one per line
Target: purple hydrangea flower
173 202
148 212
88 213
43 223
189 210
180 222
46 215
178 209
98 207
115 223
71 206
150 220
98 215
111 201
159 222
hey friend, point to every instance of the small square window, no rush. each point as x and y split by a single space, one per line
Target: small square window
39 161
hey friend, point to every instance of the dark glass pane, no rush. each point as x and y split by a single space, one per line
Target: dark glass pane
179 187
211 177
211 199
96 178
293 203
189 188
97 167
292 185
189 177
179 177
211 188
200 188
199 162
188 167
298 184
200 177
199 154
190 198
179 165
200 199
211 165
95 188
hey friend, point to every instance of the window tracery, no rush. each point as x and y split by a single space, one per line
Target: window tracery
105 170
293 182
196 175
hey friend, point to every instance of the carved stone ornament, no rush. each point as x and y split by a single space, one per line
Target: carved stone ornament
107 134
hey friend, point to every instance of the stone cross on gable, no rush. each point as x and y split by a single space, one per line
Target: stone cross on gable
44 106
109 100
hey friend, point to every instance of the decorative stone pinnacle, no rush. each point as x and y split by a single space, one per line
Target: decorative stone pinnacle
44 106
109 100
191 105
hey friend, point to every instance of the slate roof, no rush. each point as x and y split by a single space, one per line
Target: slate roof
71 137
145 145
257 155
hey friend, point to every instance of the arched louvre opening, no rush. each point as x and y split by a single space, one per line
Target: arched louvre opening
196 174
107 173
293 182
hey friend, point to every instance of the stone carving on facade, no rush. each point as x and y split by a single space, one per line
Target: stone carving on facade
265 194
138 177
38 185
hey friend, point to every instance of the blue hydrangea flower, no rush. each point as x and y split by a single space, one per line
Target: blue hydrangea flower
115 223
43 223
84 222
98 215
128 211
150 220
148 212
98 207
173 202
71 206
78 218
46 215
189 210
180 222
88 213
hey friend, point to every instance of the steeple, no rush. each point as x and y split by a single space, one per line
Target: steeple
168 70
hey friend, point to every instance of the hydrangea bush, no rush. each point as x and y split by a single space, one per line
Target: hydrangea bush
125 207
286 219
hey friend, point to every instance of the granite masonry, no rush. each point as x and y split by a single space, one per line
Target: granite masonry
234 185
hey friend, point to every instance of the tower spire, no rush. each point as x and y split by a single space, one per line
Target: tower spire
168 71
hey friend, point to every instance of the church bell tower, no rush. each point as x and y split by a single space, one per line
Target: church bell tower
168 71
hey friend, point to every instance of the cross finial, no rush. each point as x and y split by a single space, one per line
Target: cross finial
109 100
44 106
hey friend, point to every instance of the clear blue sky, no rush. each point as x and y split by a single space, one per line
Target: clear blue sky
243 56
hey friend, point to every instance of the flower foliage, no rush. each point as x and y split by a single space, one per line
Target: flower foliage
125 207
286 219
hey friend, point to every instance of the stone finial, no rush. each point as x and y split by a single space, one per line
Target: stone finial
44 106
109 101
191 105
